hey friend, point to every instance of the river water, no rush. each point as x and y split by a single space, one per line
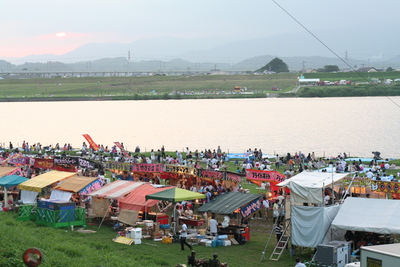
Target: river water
326 126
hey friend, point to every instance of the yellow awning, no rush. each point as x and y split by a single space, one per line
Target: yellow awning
37 183
75 183
6 170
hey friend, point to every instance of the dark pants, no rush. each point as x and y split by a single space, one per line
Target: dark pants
183 242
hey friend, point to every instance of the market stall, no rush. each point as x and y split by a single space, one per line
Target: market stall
76 184
31 188
239 207
175 195
7 182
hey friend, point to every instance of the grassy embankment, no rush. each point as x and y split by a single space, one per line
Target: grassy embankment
143 88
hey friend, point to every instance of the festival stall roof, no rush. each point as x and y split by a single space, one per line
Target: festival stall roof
37 183
228 203
379 216
12 180
175 194
75 183
137 199
306 187
116 189
6 170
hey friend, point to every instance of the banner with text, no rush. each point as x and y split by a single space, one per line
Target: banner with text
269 176
179 169
147 167
91 142
44 163
119 166
250 208
387 187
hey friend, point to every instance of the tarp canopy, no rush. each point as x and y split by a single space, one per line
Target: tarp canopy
4 170
228 203
137 199
12 180
116 189
307 187
310 224
75 183
381 216
175 194
37 183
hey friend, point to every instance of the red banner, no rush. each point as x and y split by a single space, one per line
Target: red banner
126 154
91 142
268 176
44 163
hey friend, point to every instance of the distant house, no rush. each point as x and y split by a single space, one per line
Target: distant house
367 69
310 71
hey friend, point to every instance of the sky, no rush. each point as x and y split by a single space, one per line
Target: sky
57 27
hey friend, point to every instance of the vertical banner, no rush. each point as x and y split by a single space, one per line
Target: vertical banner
91 142
126 154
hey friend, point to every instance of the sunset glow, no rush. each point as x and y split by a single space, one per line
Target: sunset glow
61 34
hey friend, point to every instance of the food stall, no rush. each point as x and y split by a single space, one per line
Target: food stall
239 207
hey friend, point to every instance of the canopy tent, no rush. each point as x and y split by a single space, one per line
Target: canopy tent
379 216
75 184
10 180
311 224
307 187
37 183
175 195
137 200
4 170
116 189
228 203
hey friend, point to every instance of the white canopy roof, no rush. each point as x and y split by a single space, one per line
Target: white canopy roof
381 216
306 187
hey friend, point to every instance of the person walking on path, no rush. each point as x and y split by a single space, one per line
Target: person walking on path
184 236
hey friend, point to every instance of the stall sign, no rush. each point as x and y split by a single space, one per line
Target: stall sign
250 208
387 187
372 262
232 177
119 166
91 187
66 161
19 161
271 176
180 169
210 174
356 182
84 163
44 163
147 167
91 142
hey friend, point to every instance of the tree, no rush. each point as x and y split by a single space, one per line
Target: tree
330 68
389 69
276 65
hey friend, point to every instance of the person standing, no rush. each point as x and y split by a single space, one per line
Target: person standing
265 207
213 226
184 236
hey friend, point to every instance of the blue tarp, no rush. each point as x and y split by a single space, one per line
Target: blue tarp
12 180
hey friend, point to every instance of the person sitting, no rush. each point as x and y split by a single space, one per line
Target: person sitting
214 262
192 261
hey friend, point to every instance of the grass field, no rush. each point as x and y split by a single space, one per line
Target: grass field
152 86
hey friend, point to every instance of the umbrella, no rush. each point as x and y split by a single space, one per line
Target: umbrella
10 180
175 195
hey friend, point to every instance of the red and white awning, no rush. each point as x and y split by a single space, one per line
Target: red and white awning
116 189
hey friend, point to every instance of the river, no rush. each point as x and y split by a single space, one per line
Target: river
326 126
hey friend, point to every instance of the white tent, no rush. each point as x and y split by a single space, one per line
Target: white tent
381 216
307 187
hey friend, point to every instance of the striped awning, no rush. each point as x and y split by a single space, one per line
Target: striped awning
4 170
116 189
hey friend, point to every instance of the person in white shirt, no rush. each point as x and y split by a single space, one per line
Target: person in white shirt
184 236
213 226
299 263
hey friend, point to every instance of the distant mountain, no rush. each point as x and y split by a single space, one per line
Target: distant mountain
363 46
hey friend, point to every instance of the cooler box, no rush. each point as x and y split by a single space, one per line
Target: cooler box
135 233
246 233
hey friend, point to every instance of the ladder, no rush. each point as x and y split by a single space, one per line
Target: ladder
282 243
